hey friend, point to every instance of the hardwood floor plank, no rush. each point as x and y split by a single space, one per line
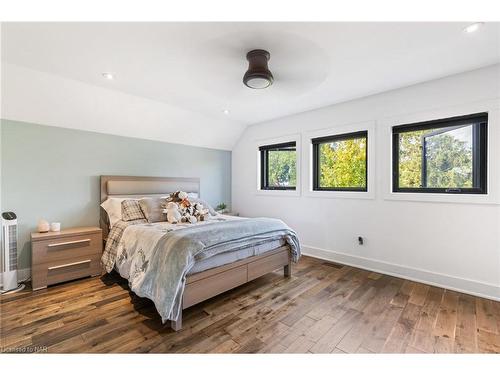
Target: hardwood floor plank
334 335
401 333
323 308
446 323
296 331
412 350
338 295
358 334
274 348
320 327
301 345
486 319
418 294
382 328
423 338
228 346
253 346
488 342
466 328
362 350
496 311
403 295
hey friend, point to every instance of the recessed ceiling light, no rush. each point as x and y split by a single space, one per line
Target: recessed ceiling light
473 27
108 75
226 111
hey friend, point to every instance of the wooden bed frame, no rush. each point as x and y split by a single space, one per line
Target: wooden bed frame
207 284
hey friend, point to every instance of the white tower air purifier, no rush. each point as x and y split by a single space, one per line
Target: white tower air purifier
9 253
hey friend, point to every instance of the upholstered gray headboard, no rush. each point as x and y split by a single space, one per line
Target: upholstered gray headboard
140 186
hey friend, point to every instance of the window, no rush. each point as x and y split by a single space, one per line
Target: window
278 166
442 156
340 162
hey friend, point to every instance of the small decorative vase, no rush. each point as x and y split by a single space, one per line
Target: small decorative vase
43 226
55 227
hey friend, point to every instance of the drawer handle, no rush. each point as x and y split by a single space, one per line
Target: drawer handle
69 265
68 243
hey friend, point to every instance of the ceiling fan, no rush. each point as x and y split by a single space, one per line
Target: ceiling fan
258 76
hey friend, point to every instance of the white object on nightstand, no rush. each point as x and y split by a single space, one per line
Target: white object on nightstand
55 227
43 226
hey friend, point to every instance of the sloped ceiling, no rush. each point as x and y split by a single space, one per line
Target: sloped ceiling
174 80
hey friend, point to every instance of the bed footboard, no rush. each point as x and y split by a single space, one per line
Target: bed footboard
207 284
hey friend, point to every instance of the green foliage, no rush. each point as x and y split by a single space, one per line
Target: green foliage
282 170
410 159
343 163
221 206
449 160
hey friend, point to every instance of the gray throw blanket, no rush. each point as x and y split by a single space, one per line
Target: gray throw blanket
156 259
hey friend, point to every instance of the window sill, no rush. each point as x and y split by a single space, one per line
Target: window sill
337 194
278 193
443 198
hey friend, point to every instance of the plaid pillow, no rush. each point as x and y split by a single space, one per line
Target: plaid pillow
131 210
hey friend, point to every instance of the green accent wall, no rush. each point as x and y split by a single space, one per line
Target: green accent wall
53 173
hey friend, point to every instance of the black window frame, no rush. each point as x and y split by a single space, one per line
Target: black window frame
479 152
316 165
264 167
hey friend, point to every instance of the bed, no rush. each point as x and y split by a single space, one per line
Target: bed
181 265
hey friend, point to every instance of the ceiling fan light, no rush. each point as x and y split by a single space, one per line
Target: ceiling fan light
258 76
256 82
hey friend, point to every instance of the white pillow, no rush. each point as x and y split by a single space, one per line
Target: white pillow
113 207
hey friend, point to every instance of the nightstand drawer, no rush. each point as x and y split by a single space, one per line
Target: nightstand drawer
56 272
59 249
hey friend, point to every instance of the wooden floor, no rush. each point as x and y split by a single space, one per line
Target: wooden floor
322 308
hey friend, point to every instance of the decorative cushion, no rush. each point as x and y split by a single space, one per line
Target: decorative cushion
131 210
152 209
113 207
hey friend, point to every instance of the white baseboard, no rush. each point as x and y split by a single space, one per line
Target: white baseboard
22 275
474 287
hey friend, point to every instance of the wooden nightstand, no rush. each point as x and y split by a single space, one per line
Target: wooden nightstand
66 255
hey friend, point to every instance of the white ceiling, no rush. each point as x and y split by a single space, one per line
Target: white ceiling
199 67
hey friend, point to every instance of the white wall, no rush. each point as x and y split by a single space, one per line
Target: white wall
453 241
